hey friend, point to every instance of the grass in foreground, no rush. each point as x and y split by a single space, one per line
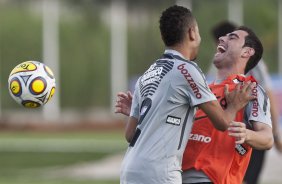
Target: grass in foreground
25 156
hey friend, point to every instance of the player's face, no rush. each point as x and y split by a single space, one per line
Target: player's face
230 49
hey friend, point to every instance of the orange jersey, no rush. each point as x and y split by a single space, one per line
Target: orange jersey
215 152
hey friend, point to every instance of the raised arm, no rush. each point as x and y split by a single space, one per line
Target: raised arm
123 106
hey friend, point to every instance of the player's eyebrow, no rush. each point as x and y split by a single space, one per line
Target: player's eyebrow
233 34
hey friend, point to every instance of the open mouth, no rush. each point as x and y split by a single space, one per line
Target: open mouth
220 49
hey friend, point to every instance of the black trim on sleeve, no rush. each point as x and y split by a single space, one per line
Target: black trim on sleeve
265 99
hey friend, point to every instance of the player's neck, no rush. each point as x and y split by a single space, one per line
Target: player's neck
186 52
226 72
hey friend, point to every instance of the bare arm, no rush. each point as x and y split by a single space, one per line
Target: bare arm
130 128
216 114
260 138
123 106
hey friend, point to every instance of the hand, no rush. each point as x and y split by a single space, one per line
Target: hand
240 96
238 130
123 103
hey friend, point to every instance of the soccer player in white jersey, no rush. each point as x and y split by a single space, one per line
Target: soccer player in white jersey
164 102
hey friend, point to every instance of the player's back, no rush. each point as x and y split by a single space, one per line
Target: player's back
164 100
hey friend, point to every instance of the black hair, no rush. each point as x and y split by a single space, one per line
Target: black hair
174 22
222 28
251 40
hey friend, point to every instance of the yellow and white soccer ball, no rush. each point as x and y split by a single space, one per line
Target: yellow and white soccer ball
31 84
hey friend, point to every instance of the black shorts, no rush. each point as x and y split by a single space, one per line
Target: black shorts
255 167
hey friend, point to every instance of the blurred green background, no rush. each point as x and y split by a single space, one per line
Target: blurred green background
32 154
84 41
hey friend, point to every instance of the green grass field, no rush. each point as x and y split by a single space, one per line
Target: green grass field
27 157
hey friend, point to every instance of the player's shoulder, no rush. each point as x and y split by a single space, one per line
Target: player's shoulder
260 94
187 68
178 60
260 89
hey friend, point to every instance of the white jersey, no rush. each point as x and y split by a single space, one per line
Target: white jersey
164 102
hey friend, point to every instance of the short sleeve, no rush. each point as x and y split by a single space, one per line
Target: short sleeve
135 102
259 110
194 83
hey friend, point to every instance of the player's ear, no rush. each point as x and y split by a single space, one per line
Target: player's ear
248 52
192 33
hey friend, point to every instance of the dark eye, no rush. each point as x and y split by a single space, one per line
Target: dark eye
231 37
